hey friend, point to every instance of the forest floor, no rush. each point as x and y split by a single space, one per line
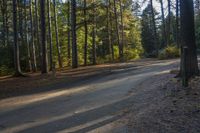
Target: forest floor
170 108
137 97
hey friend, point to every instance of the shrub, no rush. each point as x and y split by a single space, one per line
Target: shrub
4 70
169 52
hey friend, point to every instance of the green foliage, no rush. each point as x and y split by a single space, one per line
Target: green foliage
4 70
148 38
169 52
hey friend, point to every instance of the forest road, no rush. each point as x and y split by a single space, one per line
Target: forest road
84 108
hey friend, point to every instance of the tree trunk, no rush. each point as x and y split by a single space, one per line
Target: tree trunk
169 23
57 38
16 45
37 35
154 27
108 30
33 53
43 37
117 30
122 28
177 24
27 39
50 35
86 32
188 37
164 34
94 36
69 35
73 29
111 32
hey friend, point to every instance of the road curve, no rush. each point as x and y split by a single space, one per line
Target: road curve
82 108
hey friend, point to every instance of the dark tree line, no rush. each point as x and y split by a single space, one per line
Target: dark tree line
42 35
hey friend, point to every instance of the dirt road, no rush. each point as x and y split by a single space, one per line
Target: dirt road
87 107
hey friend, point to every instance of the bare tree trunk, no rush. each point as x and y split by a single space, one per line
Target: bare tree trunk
33 55
164 34
50 35
154 27
86 32
169 23
117 30
122 27
37 35
94 37
16 45
177 24
108 30
73 28
69 35
43 37
188 37
57 38
27 39
111 32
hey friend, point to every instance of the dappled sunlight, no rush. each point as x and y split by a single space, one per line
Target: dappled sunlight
20 101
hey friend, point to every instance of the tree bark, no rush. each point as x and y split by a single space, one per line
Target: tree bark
36 32
27 39
69 35
154 27
108 30
111 32
169 23
73 29
177 24
57 38
33 53
43 37
94 36
122 28
188 37
50 35
117 31
164 34
86 32
16 45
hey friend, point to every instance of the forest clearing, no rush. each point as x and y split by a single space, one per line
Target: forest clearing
99 66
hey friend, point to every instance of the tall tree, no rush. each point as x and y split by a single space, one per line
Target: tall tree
109 29
16 45
188 37
94 35
36 30
111 25
117 30
69 34
50 35
169 22
86 32
177 24
27 38
154 26
44 68
73 29
164 35
57 38
33 53
122 27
